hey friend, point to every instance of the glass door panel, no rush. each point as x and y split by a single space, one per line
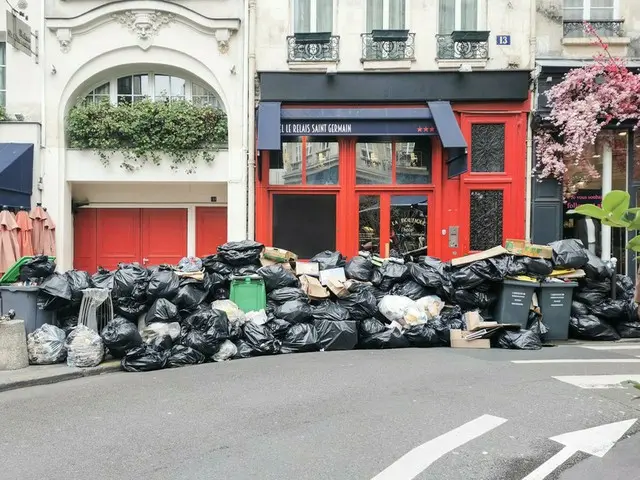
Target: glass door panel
408 225
369 224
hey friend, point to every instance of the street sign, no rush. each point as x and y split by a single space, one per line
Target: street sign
18 33
595 441
503 39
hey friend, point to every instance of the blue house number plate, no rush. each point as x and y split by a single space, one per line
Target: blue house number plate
503 39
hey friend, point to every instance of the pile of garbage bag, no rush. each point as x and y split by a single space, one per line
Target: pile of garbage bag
167 317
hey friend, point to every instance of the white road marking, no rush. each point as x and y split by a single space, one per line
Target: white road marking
612 347
417 460
598 381
596 441
580 360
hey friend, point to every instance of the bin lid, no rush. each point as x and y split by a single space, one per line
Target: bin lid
559 284
19 288
520 283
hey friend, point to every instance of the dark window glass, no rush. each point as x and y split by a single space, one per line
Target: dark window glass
408 225
322 163
369 223
487 147
304 224
413 162
124 86
373 163
486 219
287 170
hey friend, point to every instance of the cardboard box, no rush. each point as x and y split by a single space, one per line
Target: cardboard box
267 263
313 288
475 257
474 322
308 268
279 255
333 274
526 249
458 340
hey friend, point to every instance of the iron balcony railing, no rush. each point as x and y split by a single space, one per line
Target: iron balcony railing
388 45
313 47
604 28
463 45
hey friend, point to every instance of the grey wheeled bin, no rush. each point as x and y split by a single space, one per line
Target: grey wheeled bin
515 302
24 300
555 299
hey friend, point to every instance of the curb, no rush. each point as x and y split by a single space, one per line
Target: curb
61 377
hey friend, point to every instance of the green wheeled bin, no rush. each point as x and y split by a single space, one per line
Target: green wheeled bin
248 293
555 300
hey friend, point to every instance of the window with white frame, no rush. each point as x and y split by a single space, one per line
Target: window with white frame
312 16
3 74
386 15
152 86
589 10
459 15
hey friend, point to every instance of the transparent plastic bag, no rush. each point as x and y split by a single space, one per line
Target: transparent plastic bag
85 348
431 306
402 310
46 345
226 351
234 314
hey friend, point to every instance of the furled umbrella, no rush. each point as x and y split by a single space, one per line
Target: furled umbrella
49 237
38 216
25 241
9 248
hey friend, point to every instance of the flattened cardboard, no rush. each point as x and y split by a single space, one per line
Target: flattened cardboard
492 252
279 255
458 340
334 274
313 288
308 268
524 248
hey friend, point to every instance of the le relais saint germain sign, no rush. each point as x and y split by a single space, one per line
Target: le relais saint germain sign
368 127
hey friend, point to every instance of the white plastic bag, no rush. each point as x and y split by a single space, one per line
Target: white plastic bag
402 310
84 348
234 314
157 330
46 345
226 351
431 306
259 317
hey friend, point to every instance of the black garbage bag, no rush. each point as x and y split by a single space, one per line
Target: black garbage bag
535 324
579 309
331 311
359 268
103 278
336 335
327 260
260 339
473 299
204 341
144 358
67 321
423 336
221 294
215 264
130 280
357 287
388 338
246 270
388 275
278 327
54 293
590 297
78 281
516 266
538 267
179 356
120 336
244 252
590 327
360 305
163 283
370 326
612 311
625 288
207 318
596 269
431 273
466 278
162 310
411 289
569 253
128 308
276 276
450 319
505 266
38 267
629 328
301 337
489 270
294 311
517 340
287 294
190 296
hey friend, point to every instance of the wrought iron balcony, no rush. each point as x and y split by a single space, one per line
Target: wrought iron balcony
313 47
463 45
604 28
388 45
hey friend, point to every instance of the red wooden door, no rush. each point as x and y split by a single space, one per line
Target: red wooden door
84 240
117 236
211 229
164 235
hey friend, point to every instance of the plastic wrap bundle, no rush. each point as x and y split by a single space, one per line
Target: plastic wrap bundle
46 345
84 348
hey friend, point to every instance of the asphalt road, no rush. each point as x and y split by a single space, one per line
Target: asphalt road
338 415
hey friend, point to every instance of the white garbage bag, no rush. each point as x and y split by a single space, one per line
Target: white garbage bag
84 348
234 314
402 310
431 306
259 317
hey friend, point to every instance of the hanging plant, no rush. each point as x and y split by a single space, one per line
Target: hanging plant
142 131
582 104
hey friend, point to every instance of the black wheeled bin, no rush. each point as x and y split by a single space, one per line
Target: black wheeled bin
515 302
24 300
555 299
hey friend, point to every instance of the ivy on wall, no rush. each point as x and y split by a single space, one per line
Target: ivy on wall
142 131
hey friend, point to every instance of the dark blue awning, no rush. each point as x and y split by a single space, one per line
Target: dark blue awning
448 128
269 126
16 174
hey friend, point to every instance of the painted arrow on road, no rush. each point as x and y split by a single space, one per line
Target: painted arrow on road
596 441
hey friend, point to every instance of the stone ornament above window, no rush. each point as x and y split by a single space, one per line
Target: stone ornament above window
144 24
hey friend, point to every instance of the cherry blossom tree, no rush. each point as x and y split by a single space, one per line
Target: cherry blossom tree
582 104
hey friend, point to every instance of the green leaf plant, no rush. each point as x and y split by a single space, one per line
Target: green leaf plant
141 131
615 212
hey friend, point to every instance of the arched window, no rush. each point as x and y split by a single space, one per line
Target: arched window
152 86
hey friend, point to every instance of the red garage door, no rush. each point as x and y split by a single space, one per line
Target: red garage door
211 229
107 236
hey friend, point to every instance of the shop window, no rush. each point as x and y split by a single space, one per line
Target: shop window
369 223
409 162
318 160
487 147
305 224
486 219
409 225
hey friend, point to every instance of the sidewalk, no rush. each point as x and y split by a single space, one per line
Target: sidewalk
46 374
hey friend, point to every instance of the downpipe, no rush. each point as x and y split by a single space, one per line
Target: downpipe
245 111
251 119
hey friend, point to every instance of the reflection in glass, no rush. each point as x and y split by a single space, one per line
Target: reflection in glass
322 163
369 224
413 162
373 163
408 225
285 166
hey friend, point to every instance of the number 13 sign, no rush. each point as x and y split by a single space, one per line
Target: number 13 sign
503 39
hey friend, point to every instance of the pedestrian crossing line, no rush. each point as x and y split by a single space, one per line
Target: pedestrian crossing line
611 347
579 360
598 381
